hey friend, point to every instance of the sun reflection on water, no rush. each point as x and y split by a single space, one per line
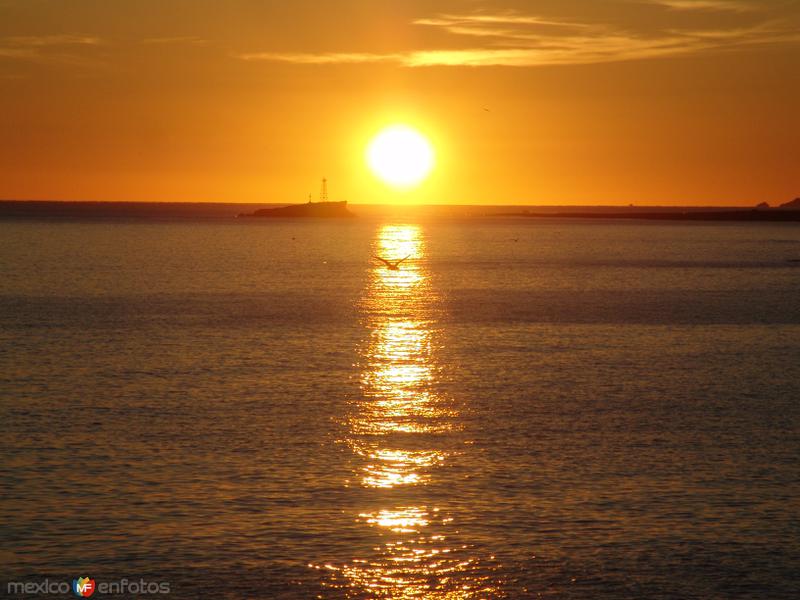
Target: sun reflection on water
397 431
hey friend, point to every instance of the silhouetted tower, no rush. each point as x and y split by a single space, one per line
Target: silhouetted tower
323 193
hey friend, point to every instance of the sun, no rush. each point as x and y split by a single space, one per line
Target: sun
400 156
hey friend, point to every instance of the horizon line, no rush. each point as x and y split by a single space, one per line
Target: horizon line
647 204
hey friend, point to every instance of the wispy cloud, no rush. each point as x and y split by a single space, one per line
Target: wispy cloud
506 18
59 48
509 26
178 39
40 41
708 5
512 39
323 58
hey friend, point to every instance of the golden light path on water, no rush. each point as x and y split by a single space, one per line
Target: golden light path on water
396 431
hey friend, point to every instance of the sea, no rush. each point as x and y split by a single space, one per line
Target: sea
260 408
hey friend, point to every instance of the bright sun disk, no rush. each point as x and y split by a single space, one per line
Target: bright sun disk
400 156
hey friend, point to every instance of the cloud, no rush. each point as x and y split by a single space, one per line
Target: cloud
512 39
323 58
178 39
708 5
510 26
576 53
507 18
16 53
59 48
40 41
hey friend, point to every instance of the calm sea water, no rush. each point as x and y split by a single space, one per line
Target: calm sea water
525 410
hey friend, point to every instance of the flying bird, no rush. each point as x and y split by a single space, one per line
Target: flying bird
392 265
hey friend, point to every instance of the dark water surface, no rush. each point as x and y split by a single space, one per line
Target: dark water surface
522 410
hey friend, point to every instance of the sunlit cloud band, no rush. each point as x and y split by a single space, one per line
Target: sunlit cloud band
521 41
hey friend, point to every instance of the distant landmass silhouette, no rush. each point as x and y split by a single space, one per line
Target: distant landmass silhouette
94 210
750 214
793 204
319 210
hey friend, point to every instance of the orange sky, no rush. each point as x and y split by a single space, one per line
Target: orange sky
590 101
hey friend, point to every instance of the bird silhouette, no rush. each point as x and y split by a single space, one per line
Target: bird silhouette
392 265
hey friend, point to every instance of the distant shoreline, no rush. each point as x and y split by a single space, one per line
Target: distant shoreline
772 215
101 210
